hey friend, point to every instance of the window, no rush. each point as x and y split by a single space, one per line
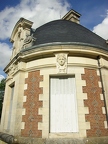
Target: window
63 108
10 108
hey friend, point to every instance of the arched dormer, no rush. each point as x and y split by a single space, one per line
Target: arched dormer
19 33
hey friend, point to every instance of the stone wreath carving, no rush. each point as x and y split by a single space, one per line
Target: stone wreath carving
61 62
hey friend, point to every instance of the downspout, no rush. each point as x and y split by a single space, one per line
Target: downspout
10 139
103 91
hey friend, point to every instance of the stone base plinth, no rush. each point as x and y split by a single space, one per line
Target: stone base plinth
95 140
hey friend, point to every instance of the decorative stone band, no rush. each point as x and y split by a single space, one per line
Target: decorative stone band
32 105
95 104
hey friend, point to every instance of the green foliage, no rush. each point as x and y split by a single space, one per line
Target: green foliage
2 89
2 85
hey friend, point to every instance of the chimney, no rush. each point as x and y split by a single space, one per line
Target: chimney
72 16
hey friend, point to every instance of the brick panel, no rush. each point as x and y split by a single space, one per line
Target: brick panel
32 104
94 103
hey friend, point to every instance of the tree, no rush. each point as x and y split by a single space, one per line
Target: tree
2 89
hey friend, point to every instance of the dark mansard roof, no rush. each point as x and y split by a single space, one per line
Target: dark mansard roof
67 31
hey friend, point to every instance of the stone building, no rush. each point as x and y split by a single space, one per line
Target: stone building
57 85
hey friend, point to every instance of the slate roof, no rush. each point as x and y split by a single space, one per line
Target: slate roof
66 31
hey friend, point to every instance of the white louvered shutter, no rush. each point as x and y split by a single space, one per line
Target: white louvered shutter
63 109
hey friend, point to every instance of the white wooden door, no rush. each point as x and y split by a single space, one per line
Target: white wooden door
63 109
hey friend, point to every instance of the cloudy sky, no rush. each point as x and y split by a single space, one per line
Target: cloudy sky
94 17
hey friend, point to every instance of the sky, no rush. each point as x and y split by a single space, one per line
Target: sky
94 16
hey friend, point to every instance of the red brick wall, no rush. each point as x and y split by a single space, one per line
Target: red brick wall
94 103
32 105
